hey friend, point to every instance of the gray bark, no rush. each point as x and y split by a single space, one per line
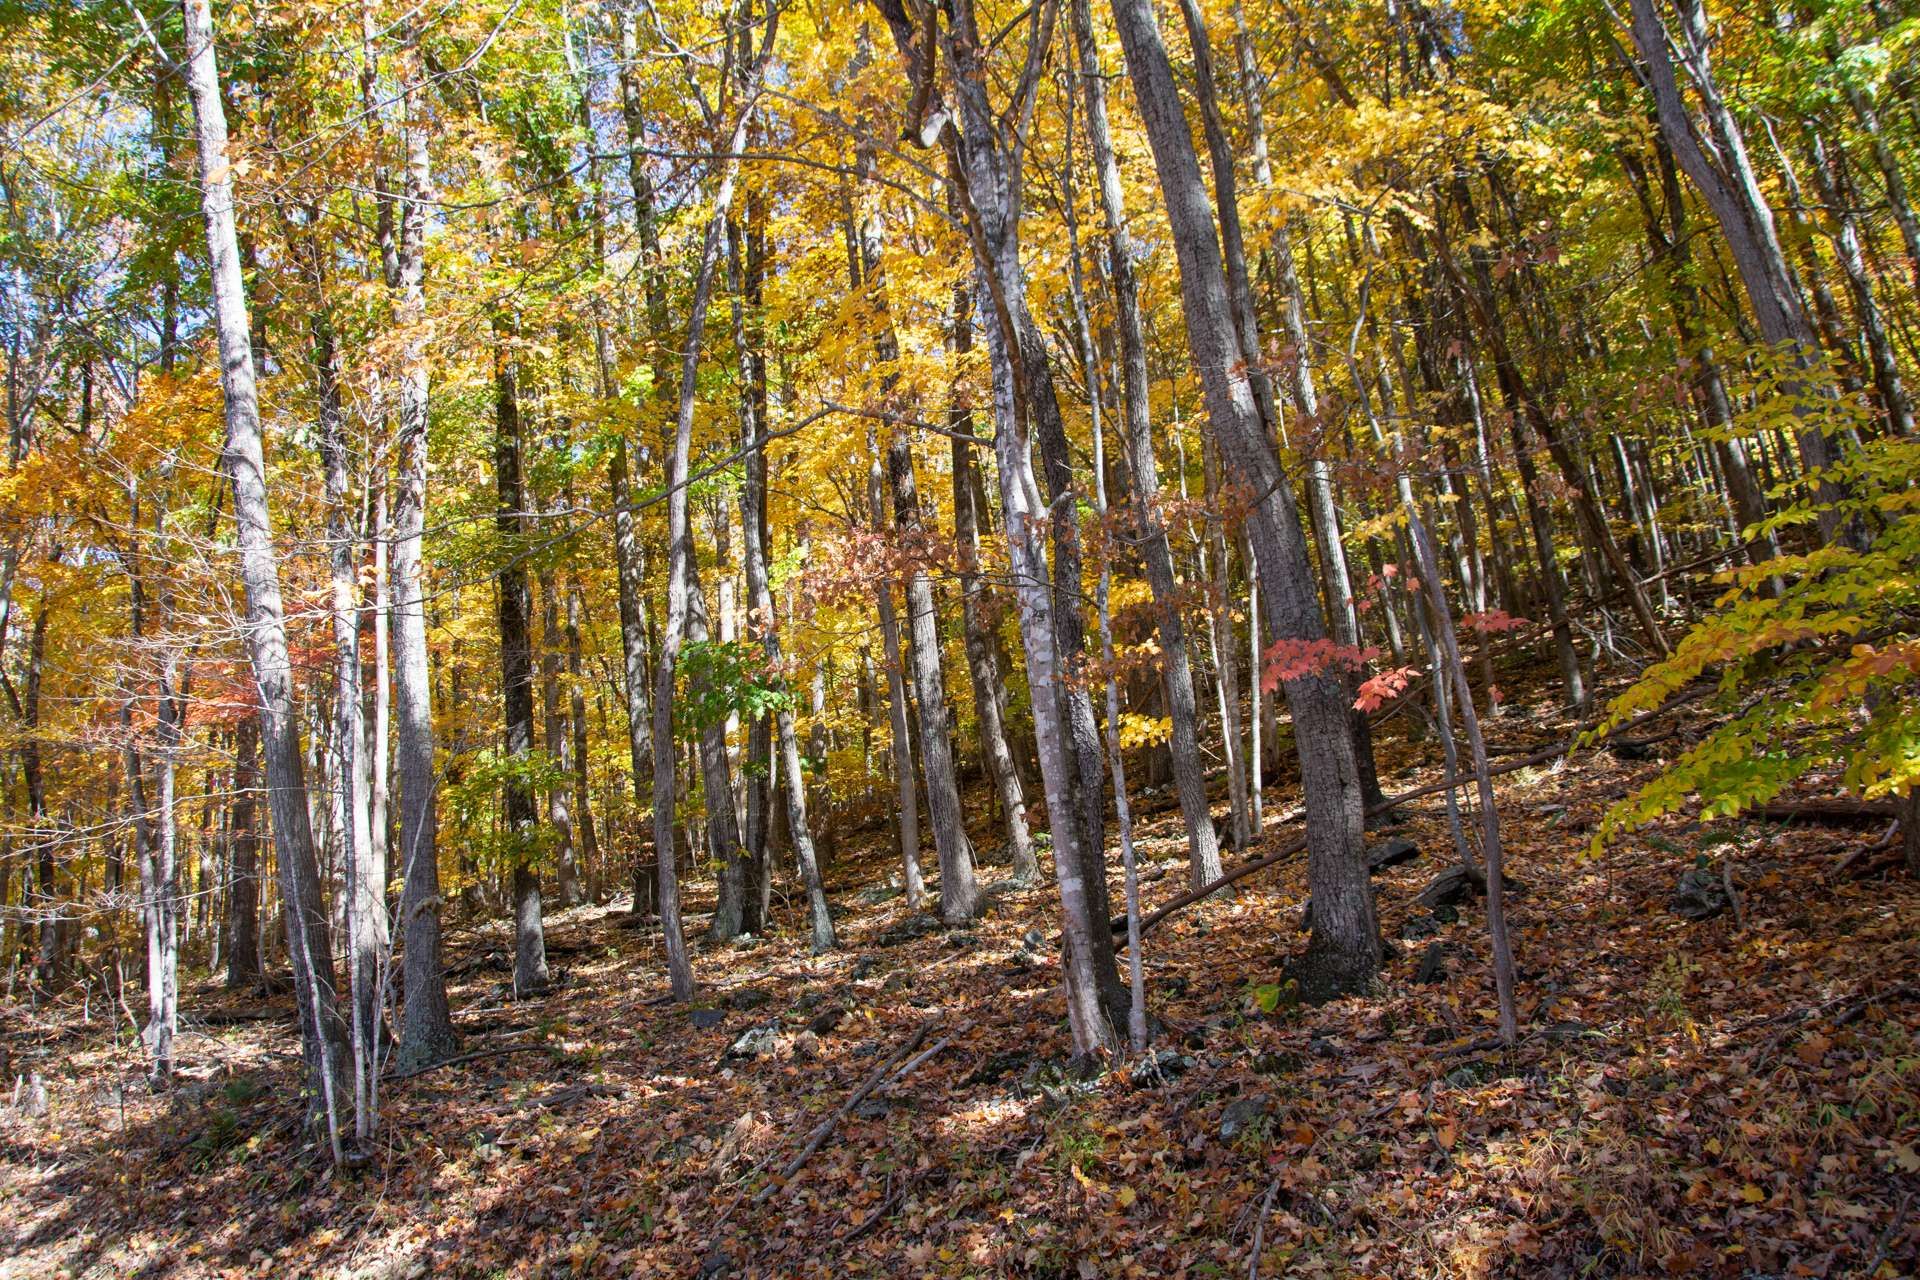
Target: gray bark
1190 783
514 603
265 624
959 892
426 1027
1344 950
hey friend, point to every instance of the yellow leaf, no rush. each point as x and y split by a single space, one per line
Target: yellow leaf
1752 1193
1125 1197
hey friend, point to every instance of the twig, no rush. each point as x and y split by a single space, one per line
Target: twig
497 1052
1733 894
1260 1230
1886 1239
887 1206
825 1128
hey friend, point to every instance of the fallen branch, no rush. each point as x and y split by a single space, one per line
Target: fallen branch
823 1130
498 1052
1829 810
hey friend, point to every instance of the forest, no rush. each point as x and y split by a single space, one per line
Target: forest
964 638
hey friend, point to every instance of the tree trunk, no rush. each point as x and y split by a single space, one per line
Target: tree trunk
975 604
426 1027
1727 182
728 855
907 802
1203 849
959 892
1344 951
680 538
559 747
265 624
761 625
243 903
515 608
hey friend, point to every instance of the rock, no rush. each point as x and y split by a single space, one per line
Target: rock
826 1020
1391 853
754 1042
1159 1068
1432 964
1699 895
914 926
1458 883
707 1019
999 1066
1242 1115
1277 1064
1035 941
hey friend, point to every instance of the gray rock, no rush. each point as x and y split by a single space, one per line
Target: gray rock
1391 853
1699 895
1242 1115
754 1042
1433 965
707 1019
1159 1068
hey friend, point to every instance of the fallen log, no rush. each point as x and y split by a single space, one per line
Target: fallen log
1835 811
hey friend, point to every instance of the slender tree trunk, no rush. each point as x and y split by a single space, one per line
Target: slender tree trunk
515 607
1456 671
559 742
680 541
1720 169
959 892
243 903
265 626
577 725
780 736
1344 950
975 603
907 803
378 734
724 848
1203 850
366 900
426 1027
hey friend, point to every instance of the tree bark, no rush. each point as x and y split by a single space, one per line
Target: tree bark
975 603
959 891
1190 783
265 624
426 1026
243 902
519 812
1344 950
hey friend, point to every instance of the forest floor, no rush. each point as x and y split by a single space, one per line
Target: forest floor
1738 1096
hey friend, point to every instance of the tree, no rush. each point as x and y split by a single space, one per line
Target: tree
308 942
